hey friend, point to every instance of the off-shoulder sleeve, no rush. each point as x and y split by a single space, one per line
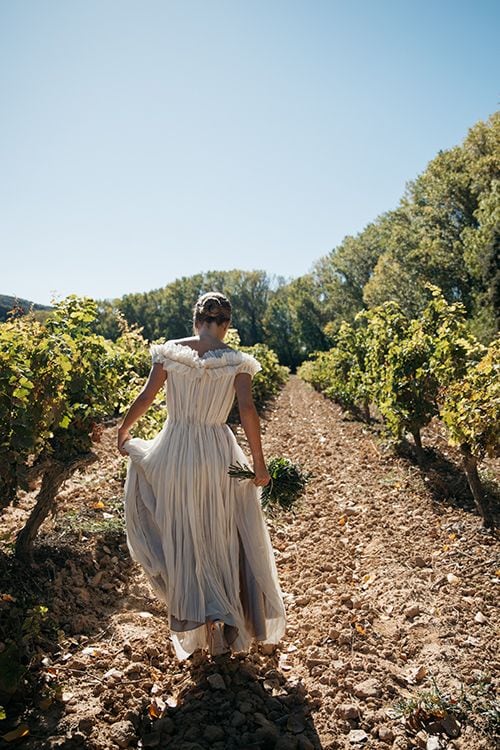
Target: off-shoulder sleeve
157 352
249 364
173 356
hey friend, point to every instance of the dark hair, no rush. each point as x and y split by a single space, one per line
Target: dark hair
212 306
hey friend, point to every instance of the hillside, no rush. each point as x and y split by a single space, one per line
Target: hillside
8 302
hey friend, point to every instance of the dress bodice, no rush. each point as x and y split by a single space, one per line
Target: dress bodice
200 388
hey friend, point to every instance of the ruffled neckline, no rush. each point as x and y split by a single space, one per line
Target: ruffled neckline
185 354
191 351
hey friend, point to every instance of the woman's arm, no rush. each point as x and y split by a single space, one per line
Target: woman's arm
251 424
141 404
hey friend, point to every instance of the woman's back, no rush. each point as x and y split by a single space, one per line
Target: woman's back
200 388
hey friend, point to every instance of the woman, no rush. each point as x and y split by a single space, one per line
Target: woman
199 534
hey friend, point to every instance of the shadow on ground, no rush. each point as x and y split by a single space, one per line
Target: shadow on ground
232 703
56 598
447 482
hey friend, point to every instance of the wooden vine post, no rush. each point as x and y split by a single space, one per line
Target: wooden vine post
478 492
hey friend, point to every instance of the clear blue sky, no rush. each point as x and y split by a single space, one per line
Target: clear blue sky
142 141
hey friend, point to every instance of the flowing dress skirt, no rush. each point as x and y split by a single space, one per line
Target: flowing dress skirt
201 536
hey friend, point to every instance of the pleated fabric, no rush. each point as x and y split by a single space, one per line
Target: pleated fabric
199 534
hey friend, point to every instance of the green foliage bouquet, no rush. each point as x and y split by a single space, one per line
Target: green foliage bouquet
287 485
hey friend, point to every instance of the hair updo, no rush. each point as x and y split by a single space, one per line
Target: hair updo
211 307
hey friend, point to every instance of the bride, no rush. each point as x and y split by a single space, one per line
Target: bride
200 535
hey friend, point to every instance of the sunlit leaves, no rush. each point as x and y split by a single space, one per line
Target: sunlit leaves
471 406
413 370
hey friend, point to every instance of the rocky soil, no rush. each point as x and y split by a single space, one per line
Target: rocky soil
389 584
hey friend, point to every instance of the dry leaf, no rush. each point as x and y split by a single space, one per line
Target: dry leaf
21 731
98 505
367 580
417 675
420 674
156 708
153 711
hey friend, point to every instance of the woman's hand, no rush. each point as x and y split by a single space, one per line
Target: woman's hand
262 476
123 436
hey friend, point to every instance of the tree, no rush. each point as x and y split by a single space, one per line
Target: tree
445 232
341 276
293 323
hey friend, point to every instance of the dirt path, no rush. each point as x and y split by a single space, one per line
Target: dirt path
385 588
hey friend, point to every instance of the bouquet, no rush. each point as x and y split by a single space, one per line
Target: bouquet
288 481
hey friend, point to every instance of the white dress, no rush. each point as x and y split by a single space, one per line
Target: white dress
199 534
